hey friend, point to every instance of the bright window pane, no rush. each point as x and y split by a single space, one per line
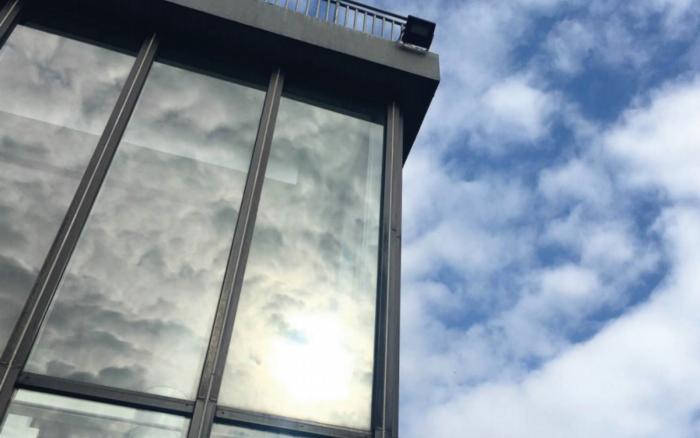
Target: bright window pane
303 339
56 95
136 304
37 415
226 431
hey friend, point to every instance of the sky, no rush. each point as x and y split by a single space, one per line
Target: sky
552 223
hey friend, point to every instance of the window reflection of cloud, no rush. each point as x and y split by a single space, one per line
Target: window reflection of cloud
304 332
56 97
34 414
136 304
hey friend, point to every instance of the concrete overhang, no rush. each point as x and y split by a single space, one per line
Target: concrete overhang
334 55
385 66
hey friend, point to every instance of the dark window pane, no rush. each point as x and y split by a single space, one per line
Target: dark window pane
226 431
135 307
303 339
56 95
38 415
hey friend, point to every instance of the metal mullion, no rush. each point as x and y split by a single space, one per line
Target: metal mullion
29 323
391 402
385 382
222 331
105 394
286 425
8 18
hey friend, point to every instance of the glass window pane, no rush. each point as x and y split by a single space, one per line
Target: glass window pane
136 304
56 95
304 333
38 415
226 431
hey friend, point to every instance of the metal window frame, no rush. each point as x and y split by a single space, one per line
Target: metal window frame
385 403
204 411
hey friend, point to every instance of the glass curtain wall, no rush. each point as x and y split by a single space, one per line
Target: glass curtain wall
56 95
135 307
303 340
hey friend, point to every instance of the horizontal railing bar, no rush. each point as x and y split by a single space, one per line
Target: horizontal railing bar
284 424
374 9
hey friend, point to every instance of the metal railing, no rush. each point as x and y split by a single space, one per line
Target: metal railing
349 14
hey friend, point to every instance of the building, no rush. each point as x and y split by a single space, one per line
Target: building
200 215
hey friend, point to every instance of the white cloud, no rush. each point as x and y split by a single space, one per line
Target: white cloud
577 180
513 110
658 142
568 44
569 282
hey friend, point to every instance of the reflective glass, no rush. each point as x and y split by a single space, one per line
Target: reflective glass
136 304
38 415
227 431
304 333
56 95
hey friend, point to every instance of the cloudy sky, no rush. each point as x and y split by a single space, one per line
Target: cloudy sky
552 223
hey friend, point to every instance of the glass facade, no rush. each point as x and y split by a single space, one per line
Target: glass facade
51 116
37 415
303 339
219 270
136 304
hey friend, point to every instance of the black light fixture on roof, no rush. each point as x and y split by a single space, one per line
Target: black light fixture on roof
418 32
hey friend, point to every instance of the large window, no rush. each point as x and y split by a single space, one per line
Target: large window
303 338
136 304
55 97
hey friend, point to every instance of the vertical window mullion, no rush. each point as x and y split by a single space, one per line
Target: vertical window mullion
394 288
207 394
29 324
8 17
385 397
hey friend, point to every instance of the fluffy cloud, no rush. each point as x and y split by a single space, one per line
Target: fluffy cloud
657 143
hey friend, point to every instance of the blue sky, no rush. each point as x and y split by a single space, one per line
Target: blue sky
552 223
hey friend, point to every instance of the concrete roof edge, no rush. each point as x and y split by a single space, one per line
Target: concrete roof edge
290 24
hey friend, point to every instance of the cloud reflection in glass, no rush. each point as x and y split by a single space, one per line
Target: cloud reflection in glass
135 307
303 341
56 95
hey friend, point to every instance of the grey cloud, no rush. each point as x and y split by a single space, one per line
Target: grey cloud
42 154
